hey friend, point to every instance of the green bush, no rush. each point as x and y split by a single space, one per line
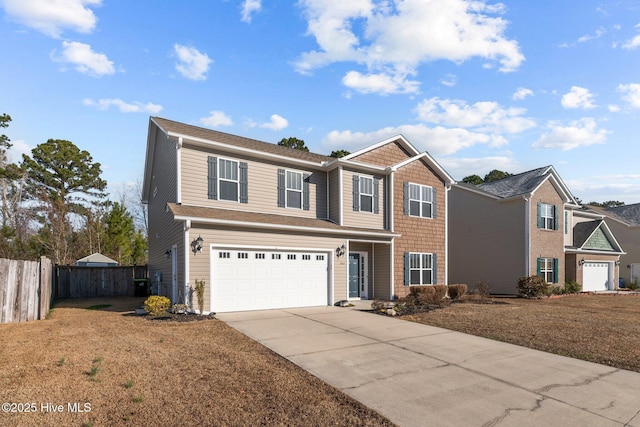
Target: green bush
533 287
156 305
457 291
572 287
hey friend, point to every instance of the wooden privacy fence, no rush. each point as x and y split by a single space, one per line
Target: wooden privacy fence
83 282
25 290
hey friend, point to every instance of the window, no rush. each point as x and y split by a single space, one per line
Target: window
276 256
548 269
420 201
243 255
291 256
224 255
366 194
306 257
319 257
228 177
294 190
259 256
228 180
421 269
547 217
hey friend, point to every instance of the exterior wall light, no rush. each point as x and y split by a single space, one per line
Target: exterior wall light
340 251
196 245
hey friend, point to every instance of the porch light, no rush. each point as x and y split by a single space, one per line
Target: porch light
196 245
167 254
581 262
340 251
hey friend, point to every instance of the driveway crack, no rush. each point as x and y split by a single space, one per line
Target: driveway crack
507 412
578 384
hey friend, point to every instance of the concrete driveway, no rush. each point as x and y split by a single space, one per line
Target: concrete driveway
418 375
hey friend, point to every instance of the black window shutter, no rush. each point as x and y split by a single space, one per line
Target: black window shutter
434 202
376 195
356 193
555 270
405 188
540 221
244 184
281 188
434 267
539 267
555 217
213 177
305 191
406 269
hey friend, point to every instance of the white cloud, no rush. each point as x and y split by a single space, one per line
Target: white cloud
124 107
84 59
249 7
438 140
587 37
521 93
405 34
578 97
613 108
216 118
277 123
192 64
579 133
625 188
382 83
630 93
18 148
633 42
449 80
484 116
51 17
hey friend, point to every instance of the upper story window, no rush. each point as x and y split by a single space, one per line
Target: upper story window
419 200
366 194
547 216
293 189
228 180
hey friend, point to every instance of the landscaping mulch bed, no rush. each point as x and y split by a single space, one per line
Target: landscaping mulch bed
123 369
598 328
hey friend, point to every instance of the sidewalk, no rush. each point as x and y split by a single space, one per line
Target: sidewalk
419 375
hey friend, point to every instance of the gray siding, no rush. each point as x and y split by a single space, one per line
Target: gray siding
262 188
629 240
486 241
382 272
353 218
334 195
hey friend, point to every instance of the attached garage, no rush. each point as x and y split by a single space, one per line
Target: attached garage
254 279
596 276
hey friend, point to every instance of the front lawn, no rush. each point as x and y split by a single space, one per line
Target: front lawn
599 328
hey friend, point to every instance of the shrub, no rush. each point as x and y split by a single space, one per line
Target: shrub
421 295
156 305
199 288
533 287
457 291
440 293
483 289
378 305
572 287
633 285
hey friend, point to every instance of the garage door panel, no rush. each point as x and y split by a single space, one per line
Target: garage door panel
254 280
595 276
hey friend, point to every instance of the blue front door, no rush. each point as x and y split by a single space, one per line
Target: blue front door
354 275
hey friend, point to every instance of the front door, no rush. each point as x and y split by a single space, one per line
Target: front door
358 275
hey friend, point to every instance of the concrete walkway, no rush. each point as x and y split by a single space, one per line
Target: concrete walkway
418 375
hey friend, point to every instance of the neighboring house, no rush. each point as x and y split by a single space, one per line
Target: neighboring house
267 226
96 260
528 224
624 222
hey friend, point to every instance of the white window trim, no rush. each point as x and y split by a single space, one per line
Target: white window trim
421 268
544 270
287 189
420 201
237 181
362 193
545 216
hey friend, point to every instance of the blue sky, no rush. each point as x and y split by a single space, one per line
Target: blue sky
512 85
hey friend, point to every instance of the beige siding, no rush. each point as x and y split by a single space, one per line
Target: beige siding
382 272
334 195
546 243
199 264
486 241
353 218
262 185
163 231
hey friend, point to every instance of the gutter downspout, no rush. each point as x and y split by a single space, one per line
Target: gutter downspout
187 227
446 234
527 234
179 171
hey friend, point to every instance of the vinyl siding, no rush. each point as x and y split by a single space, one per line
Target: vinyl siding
334 195
353 218
199 264
382 272
629 240
486 241
262 188
163 231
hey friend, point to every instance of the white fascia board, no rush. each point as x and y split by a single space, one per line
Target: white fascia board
399 138
443 174
263 225
559 184
148 160
609 234
586 214
329 166
591 251
248 151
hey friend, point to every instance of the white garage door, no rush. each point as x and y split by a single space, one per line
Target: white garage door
595 276
263 279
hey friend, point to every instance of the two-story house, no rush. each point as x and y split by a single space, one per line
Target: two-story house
266 226
524 225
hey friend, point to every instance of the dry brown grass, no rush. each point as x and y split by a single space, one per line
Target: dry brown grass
133 371
599 328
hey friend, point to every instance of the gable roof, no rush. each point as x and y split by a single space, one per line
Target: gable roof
628 214
97 258
586 233
522 185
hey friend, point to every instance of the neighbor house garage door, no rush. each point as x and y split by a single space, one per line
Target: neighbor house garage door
265 279
595 276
